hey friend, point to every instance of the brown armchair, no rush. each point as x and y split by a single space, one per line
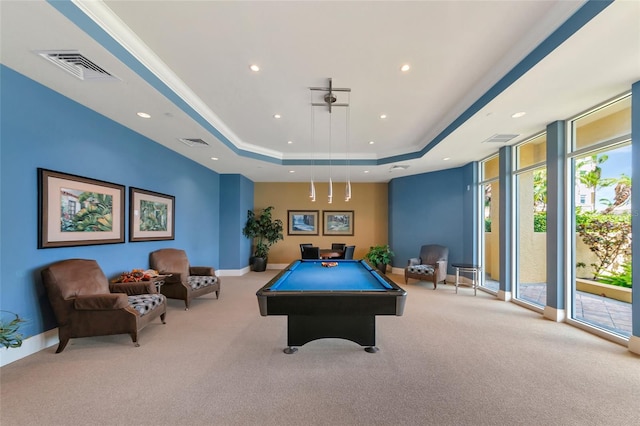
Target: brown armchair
186 282
431 265
85 304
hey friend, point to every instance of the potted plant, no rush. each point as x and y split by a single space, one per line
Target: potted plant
380 257
267 231
9 335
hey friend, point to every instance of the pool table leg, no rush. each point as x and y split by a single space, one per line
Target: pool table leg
371 349
290 350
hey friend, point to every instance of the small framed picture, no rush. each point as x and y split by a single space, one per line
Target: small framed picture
337 222
78 211
303 222
151 215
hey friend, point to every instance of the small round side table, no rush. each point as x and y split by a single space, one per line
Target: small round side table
475 275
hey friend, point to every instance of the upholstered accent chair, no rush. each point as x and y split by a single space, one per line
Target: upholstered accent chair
348 252
185 282
430 266
311 253
85 304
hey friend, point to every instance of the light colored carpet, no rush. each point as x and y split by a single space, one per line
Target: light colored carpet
450 360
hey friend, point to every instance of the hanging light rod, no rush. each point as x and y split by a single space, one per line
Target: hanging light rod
329 98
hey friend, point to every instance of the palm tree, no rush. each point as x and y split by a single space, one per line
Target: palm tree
590 175
622 194
540 190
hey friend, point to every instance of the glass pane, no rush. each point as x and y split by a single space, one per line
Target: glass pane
491 253
603 124
602 285
531 282
532 152
490 168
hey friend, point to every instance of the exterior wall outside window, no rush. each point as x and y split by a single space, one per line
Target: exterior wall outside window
531 207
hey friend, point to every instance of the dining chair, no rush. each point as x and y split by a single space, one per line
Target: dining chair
311 253
348 252
303 245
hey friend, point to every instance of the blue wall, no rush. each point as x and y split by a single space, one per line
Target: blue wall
430 209
40 128
236 195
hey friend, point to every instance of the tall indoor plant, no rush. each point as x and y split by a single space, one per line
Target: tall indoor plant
266 231
380 256
10 337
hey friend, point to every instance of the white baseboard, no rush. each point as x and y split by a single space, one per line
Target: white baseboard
232 272
634 345
504 295
29 346
553 314
397 271
277 265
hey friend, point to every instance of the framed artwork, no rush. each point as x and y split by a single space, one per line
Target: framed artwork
151 215
338 222
302 222
78 211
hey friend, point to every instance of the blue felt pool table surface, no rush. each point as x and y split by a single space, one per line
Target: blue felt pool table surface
349 275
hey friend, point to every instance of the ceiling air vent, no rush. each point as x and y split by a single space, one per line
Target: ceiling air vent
77 64
193 142
398 167
498 138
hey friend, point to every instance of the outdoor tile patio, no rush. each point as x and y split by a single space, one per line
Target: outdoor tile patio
609 314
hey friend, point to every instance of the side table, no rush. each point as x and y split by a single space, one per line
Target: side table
158 281
468 267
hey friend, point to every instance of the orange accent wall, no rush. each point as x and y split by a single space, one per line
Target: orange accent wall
369 202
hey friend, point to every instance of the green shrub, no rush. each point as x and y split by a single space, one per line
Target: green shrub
540 222
621 279
608 236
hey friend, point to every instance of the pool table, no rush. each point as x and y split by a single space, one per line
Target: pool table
323 301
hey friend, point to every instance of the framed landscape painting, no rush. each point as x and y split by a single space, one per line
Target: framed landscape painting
78 211
151 215
338 222
302 222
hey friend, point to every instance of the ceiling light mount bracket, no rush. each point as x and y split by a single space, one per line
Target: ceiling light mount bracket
330 98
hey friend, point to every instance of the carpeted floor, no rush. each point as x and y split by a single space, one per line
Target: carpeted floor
450 360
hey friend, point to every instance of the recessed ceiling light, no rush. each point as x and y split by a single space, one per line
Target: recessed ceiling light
254 68
371 142
446 159
518 114
383 116
289 142
214 158
405 68
143 115
292 171
277 116
366 171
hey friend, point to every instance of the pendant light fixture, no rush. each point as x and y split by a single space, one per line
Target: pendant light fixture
312 186
347 189
330 195
330 102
